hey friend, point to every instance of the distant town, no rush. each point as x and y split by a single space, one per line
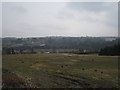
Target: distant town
78 45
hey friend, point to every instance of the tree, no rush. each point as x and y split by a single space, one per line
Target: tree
110 50
12 51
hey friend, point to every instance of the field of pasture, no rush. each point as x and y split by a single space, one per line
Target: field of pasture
60 71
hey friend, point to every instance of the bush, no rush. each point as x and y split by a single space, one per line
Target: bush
110 50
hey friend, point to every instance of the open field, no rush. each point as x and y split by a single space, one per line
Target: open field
61 70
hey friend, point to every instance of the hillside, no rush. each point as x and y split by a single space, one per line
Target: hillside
57 44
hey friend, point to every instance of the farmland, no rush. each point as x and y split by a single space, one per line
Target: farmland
60 70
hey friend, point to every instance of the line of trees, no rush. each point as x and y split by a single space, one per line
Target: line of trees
17 51
8 51
110 50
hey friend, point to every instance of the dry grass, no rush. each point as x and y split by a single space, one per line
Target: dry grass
53 70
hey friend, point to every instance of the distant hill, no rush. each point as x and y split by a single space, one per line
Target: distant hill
58 44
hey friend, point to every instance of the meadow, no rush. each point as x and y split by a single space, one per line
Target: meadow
60 70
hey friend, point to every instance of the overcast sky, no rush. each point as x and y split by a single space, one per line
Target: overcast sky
76 19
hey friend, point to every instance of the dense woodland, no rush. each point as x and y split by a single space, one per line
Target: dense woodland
110 50
79 45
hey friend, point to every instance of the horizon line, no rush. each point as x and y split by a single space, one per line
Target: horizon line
54 36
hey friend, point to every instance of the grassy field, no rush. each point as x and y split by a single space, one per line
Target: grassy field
61 70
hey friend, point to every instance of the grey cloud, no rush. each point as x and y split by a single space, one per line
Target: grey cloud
43 19
14 7
55 27
108 7
19 9
0 20
89 6
119 19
